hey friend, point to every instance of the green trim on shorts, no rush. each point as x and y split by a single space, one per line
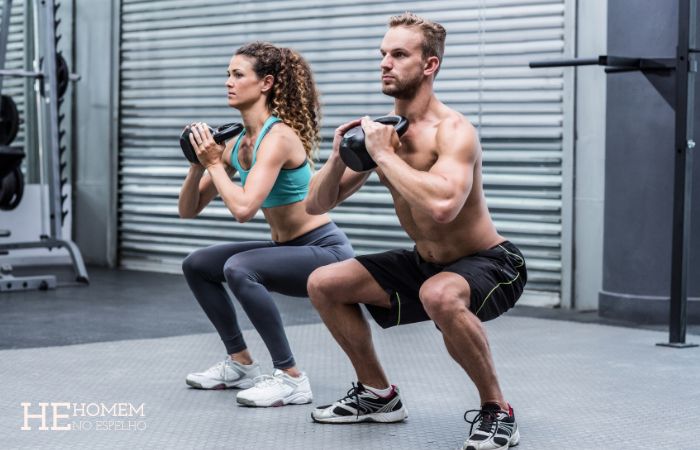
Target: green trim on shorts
522 262
398 318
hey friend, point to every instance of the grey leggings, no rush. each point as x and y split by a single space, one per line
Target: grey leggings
251 270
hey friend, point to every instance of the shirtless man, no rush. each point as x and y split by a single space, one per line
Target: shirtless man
460 273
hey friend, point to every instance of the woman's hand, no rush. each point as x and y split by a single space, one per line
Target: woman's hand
208 151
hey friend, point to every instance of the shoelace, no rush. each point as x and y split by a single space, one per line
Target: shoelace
487 421
265 380
354 394
221 366
222 370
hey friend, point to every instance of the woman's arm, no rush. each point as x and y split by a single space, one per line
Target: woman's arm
198 189
275 150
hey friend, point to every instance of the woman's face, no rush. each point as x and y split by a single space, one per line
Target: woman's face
243 85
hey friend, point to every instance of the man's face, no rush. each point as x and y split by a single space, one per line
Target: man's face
402 62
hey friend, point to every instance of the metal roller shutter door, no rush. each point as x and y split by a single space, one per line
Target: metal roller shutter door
173 59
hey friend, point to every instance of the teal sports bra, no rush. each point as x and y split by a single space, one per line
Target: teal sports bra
291 185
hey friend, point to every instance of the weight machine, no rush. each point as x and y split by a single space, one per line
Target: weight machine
51 76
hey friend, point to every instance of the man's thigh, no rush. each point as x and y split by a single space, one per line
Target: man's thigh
399 273
496 279
350 282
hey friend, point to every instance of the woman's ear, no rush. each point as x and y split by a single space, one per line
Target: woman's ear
268 81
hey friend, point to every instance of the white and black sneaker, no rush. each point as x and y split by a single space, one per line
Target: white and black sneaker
362 405
224 375
491 428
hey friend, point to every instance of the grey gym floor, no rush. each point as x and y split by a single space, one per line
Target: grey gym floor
576 382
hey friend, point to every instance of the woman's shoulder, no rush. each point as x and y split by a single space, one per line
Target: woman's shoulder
281 128
283 135
284 145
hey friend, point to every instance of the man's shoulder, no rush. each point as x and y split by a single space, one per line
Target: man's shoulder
454 129
452 121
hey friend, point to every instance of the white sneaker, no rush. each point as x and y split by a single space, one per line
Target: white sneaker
226 374
278 389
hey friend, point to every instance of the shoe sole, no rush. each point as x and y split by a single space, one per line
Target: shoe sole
514 440
243 384
296 399
392 417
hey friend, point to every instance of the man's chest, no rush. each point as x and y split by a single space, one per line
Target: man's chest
418 152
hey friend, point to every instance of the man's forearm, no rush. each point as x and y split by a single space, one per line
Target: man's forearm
324 189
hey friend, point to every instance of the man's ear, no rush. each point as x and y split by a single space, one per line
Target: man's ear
432 64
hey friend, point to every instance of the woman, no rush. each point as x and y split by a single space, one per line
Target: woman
275 93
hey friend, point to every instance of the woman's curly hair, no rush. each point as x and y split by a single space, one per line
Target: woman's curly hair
293 97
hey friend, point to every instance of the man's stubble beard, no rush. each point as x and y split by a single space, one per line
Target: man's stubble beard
404 89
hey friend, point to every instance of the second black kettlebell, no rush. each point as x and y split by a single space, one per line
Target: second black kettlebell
352 148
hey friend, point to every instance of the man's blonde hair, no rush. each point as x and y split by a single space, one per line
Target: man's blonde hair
433 34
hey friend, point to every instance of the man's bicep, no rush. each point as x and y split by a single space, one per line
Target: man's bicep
458 150
457 172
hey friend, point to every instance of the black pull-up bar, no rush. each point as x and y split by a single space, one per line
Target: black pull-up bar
612 63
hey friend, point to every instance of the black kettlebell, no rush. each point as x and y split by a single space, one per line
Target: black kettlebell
352 148
220 135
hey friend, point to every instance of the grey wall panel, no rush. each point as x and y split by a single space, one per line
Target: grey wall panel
94 108
173 59
590 155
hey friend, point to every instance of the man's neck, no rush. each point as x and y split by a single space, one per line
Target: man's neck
419 106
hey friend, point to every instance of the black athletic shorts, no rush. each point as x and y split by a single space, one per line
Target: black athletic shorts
496 278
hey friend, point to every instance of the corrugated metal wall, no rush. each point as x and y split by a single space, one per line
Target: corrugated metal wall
15 59
174 55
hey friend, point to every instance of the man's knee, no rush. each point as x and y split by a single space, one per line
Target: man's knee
444 300
320 285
